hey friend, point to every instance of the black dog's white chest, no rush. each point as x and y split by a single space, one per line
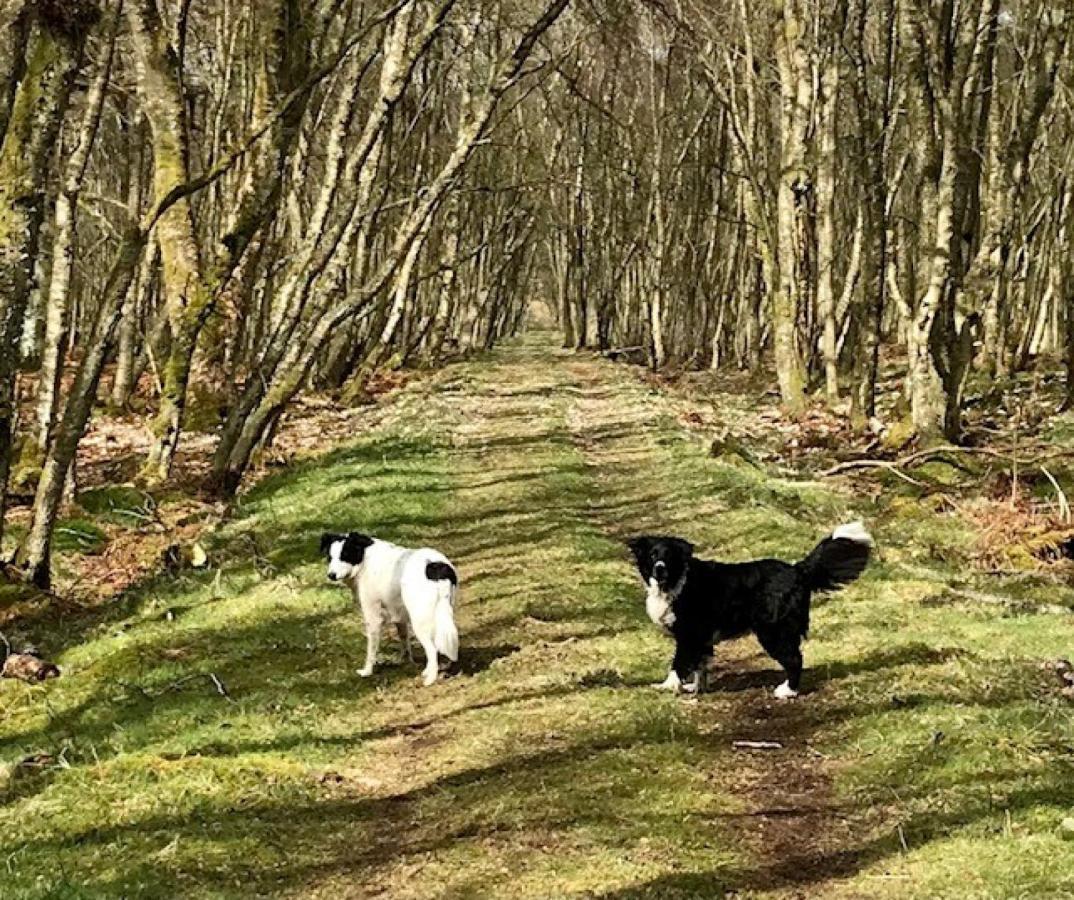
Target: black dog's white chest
659 604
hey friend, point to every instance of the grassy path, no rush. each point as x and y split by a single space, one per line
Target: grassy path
932 759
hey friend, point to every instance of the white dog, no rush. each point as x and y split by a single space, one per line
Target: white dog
414 589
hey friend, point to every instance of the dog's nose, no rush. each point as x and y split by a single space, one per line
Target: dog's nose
659 566
331 576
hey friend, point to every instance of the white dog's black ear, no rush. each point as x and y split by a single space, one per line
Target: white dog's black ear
327 540
354 548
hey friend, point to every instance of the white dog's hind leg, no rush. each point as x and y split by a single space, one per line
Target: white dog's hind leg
406 650
432 669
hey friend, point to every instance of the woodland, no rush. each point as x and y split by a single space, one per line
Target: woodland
519 280
211 208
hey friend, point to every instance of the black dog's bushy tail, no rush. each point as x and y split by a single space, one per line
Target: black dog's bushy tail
837 560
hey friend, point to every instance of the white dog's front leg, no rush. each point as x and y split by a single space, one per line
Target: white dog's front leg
372 645
671 683
374 622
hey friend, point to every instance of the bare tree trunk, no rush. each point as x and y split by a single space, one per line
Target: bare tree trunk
181 278
926 387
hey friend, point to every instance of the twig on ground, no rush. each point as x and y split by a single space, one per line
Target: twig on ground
999 600
921 456
1064 506
892 467
220 687
757 745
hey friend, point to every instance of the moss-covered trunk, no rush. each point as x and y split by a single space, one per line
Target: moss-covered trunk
58 299
53 52
191 287
185 296
792 199
35 553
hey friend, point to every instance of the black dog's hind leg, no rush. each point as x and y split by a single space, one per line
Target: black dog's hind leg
785 649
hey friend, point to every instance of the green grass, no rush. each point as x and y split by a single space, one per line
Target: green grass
933 757
118 505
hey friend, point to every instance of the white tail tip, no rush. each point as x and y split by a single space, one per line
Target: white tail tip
853 531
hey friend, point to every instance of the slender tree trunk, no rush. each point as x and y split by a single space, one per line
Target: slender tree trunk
792 199
181 280
53 54
927 403
34 555
380 349
64 245
826 226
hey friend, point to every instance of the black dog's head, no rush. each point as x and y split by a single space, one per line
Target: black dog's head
663 559
344 552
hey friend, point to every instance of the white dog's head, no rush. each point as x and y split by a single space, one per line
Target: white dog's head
344 553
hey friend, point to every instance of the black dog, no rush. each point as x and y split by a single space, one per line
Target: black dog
700 603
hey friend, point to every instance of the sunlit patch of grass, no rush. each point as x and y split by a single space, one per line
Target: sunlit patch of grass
118 504
79 536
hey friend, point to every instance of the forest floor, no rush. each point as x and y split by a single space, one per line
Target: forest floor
210 735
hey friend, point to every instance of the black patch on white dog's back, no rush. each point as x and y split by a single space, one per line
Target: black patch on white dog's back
440 571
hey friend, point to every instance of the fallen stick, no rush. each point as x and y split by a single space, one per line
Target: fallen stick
220 688
892 467
932 452
757 745
1049 609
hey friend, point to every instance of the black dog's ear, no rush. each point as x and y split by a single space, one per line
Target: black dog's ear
683 546
327 540
641 547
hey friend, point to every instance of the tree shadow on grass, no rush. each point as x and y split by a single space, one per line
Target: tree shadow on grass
873 832
361 839
726 679
339 833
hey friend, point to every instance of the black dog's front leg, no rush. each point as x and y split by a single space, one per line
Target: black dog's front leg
686 666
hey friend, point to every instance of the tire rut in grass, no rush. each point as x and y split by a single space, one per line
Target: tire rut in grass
792 828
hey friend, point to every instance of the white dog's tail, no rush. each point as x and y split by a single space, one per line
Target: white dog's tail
445 634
